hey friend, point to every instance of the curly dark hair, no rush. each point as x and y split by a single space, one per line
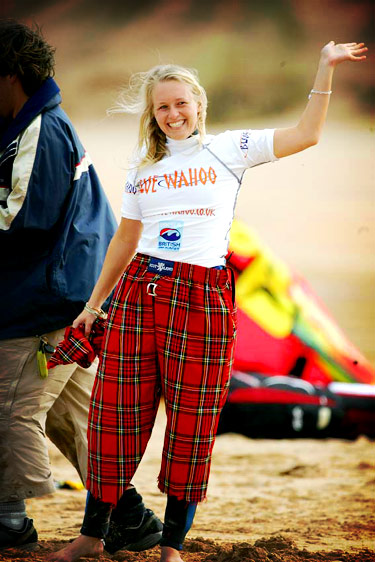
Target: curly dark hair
25 52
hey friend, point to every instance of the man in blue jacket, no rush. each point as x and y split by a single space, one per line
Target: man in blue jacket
55 226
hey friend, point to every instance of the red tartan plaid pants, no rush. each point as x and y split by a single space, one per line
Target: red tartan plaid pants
172 335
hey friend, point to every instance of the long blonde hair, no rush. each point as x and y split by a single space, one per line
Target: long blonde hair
137 98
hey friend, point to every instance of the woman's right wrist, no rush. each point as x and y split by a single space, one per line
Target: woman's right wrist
95 310
94 303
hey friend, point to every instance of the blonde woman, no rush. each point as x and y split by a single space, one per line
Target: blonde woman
172 323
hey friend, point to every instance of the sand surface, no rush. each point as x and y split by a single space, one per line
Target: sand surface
269 500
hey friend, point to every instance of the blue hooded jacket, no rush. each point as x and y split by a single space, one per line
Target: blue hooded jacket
53 244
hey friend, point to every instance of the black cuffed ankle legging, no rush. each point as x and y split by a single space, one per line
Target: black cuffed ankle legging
179 516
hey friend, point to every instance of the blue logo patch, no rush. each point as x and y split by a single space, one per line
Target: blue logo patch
170 234
161 267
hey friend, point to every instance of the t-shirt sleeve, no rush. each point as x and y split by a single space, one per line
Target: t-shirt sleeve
254 146
130 205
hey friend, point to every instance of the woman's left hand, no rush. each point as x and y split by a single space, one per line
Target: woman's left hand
333 54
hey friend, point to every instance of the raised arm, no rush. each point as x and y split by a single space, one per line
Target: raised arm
120 251
307 132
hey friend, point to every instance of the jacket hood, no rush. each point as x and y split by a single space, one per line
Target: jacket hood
45 98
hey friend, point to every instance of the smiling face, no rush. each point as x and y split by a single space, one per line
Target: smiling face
175 109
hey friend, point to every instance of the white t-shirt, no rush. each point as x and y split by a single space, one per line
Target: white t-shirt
186 201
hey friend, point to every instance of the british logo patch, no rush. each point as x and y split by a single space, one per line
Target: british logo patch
170 235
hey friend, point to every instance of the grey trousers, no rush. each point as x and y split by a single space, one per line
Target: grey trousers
30 409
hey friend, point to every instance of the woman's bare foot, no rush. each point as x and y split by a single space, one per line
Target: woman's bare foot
169 554
81 546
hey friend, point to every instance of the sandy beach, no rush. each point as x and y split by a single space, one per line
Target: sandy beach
268 500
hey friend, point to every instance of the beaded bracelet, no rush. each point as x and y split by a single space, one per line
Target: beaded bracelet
98 312
319 92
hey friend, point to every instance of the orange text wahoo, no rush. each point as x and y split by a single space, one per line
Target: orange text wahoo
177 180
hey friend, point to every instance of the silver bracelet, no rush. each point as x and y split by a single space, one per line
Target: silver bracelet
319 92
98 312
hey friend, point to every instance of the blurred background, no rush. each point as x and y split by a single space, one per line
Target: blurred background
254 58
257 60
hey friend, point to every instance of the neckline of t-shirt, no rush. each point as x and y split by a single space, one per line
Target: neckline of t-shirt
180 145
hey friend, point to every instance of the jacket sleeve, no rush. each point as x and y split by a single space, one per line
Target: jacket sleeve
43 172
25 151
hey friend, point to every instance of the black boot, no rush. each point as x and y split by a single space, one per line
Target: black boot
132 526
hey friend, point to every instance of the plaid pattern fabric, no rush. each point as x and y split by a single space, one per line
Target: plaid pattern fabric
179 343
76 348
